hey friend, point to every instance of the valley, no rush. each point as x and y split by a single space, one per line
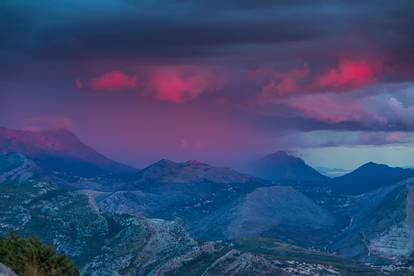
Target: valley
195 219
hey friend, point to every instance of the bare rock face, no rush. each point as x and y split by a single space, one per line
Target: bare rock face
16 167
398 240
215 258
382 225
128 202
141 249
237 263
275 212
277 207
5 271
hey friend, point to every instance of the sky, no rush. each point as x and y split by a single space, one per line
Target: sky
218 81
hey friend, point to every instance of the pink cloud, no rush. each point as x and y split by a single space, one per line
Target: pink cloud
397 137
282 84
175 84
114 81
380 138
373 111
180 84
348 75
331 109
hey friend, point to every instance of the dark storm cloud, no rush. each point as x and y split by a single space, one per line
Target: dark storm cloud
162 29
144 29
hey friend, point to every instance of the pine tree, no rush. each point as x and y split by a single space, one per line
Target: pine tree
31 257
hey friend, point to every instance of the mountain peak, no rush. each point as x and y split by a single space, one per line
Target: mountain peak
283 157
190 172
163 163
56 149
194 163
368 177
280 154
281 166
157 169
51 139
373 165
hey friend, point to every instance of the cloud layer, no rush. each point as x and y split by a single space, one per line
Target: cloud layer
113 81
174 84
269 69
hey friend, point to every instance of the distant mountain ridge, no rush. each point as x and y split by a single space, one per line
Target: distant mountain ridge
368 177
281 166
332 172
193 171
58 150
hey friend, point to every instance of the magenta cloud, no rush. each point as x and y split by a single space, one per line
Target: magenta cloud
174 84
346 76
113 81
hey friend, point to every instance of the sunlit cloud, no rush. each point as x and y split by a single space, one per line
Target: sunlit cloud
113 81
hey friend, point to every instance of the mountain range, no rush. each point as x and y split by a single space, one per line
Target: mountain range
107 243
200 196
111 218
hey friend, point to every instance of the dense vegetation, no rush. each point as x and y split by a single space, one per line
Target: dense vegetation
31 257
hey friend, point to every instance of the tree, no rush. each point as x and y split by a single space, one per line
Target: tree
31 257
